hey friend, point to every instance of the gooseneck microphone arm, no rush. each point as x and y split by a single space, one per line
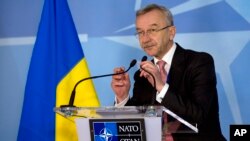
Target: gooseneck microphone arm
144 58
72 97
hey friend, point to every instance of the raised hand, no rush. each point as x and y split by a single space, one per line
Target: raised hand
120 84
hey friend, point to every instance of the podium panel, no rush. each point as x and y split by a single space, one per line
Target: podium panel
102 123
152 125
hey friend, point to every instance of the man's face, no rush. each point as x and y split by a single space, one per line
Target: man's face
153 41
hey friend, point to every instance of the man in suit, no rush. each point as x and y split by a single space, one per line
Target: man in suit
189 85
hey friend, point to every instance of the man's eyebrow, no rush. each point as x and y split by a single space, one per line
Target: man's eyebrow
152 25
138 29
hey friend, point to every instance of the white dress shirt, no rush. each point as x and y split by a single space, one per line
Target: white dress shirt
168 57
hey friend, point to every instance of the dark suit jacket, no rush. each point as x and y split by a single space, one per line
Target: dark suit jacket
192 94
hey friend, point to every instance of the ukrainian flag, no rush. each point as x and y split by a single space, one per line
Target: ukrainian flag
57 64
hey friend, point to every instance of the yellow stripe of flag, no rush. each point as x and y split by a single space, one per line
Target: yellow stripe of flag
85 96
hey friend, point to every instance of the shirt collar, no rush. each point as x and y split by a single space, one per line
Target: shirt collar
168 57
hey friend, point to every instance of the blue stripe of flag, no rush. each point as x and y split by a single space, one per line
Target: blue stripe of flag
57 49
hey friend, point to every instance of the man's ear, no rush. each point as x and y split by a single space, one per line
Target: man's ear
172 32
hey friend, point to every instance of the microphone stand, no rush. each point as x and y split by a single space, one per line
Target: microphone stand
151 112
72 97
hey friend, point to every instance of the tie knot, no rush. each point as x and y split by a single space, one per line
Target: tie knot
161 64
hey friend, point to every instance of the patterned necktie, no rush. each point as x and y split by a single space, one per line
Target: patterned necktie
163 72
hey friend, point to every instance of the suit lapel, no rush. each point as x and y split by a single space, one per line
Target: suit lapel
177 67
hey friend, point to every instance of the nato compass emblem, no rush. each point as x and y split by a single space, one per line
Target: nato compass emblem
106 134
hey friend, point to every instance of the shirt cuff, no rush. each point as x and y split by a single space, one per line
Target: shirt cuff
121 104
162 93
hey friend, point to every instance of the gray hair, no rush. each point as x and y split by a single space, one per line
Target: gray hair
164 10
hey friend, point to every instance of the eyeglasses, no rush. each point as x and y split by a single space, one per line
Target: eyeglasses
150 32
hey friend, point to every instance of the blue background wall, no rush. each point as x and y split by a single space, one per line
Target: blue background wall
106 28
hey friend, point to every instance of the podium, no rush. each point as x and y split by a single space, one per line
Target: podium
142 123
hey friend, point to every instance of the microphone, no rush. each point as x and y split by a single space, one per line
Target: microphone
72 97
144 58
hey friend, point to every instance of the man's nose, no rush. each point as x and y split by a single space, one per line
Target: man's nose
145 38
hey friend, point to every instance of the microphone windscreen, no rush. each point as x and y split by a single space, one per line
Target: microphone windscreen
144 58
133 62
